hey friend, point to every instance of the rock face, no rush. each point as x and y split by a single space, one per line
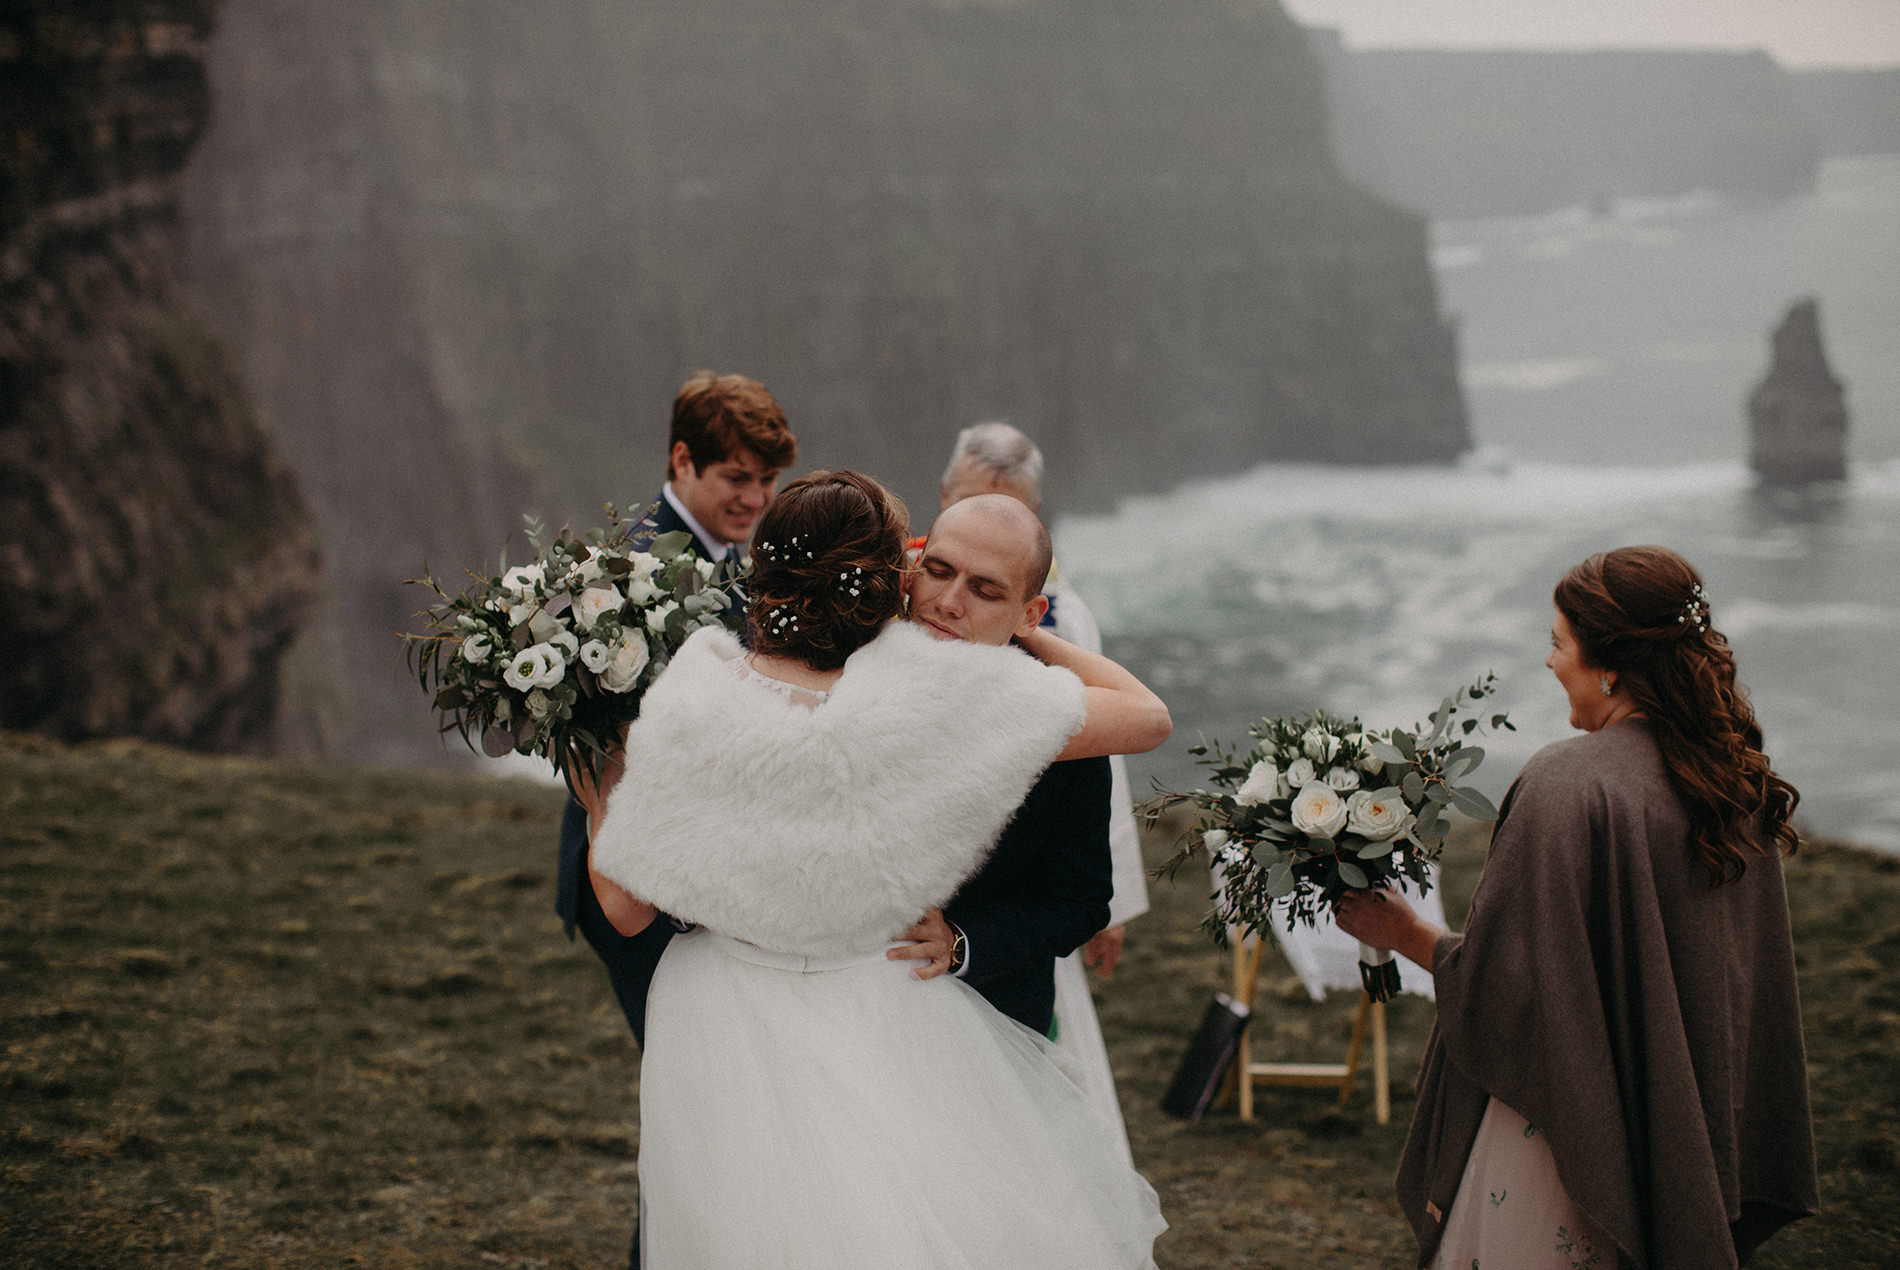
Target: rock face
1514 132
156 559
457 241
1798 415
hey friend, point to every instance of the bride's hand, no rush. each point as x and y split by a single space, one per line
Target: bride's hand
1383 919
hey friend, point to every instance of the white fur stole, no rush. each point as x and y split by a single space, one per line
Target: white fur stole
828 831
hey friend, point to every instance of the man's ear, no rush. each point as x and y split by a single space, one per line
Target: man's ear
681 456
1033 613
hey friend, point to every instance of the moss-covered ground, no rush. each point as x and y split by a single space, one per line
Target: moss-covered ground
267 1015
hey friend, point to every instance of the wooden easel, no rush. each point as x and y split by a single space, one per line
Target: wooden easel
1248 1073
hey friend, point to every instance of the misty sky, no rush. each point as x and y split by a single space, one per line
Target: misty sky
1797 32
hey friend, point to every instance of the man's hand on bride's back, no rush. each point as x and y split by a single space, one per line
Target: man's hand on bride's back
935 945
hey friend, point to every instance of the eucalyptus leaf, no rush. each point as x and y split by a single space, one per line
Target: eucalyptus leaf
1388 753
1414 787
1407 746
667 546
1437 793
1464 759
1473 804
1352 875
1373 850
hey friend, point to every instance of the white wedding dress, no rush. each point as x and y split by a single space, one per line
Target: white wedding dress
804 1102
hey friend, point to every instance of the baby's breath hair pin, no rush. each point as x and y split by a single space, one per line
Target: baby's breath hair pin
1695 610
849 580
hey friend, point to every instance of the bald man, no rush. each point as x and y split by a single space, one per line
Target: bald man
1044 890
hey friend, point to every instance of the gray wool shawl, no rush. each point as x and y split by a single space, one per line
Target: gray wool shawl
1646 1021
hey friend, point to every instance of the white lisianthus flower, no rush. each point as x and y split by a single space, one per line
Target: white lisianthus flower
523 579
536 666
629 659
519 613
704 568
564 640
656 616
594 603
1320 745
1300 773
1319 811
1262 783
645 564
538 704
641 591
1375 819
476 647
590 569
596 656
1341 778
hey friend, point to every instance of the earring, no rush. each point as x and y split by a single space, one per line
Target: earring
1603 682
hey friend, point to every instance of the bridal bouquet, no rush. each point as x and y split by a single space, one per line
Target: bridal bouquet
553 656
1319 806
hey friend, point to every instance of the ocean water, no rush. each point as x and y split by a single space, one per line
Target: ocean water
1606 359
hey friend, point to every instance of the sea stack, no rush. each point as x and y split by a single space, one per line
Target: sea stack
1798 415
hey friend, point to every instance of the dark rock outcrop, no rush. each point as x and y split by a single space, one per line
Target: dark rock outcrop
1496 132
156 559
446 236
1798 415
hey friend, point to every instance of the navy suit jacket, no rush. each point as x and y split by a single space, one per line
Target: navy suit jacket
1042 893
630 960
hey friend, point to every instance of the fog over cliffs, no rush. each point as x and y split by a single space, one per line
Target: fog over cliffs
468 251
1498 132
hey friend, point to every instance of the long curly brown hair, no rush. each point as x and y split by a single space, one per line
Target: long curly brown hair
827 568
1641 612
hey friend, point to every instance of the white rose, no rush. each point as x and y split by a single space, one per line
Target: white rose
1374 818
1320 745
523 579
595 603
538 704
645 564
641 591
476 647
1342 778
1262 783
629 659
1214 840
1318 811
536 666
656 617
596 655
1300 773
590 569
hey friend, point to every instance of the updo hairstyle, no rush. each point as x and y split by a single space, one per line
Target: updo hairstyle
827 568
1641 612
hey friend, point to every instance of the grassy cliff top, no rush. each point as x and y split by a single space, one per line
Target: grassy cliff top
266 1015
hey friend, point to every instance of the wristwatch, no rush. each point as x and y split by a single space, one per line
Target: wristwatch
958 950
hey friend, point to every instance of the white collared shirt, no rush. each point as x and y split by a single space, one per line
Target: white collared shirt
715 549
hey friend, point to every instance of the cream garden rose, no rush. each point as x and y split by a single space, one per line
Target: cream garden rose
1319 811
594 603
629 659
1375 819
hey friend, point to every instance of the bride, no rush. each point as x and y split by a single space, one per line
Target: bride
806 1101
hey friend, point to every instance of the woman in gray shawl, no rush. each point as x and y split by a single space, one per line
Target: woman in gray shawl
1616 1077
